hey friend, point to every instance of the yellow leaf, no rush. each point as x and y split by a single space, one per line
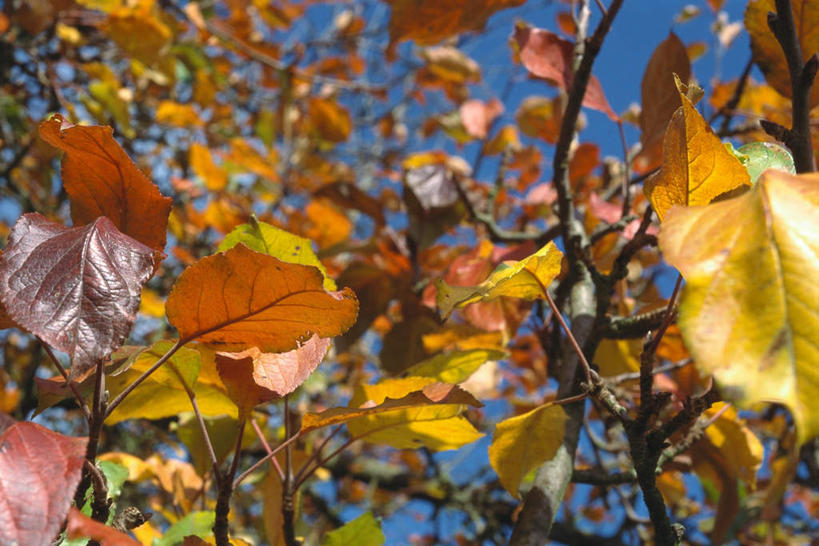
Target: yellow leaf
139 34
740 451
180 115
524 279
766 49
540 117
215 178
696 166
163 393
330 121
616 356
749 312
404 413
328 225
151 304
451 65
267 239
248 298
453 367
522 443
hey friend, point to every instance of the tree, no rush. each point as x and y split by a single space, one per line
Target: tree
295 254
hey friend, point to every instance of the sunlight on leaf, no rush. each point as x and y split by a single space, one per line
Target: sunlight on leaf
248 298
523 279
522 443
756 335
696 166
454 367
364 530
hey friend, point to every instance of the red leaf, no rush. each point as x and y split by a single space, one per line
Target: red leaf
101 180
76 288
81 526
547 55
39 471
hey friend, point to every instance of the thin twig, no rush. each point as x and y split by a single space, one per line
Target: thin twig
267 448
71 385
202 428
586 367
264 459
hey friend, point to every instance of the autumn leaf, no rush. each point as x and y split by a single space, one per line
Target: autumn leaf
522 443
163 393
454 367
547 55
39 471
660 98
364 530
539 117
523 279
101 180
757 157
253 377
427 22
404 413
267 239
76 288
749 309
81 526
179 115
696 166
214 177
329 120
248 298
138 33
477 116
768 54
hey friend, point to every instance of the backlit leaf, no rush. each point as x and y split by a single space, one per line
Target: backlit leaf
329 120
523 279
362 531
139 33
760 156
180 115
39 471
267 239
547 55
195 523
404 413
248 298
253 377
758 335
522 443
76 288
477 116
214 177
767 52
163 393
454 367
540 117
101 180
660 98
696 166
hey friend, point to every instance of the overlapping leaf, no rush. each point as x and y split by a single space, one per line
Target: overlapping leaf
163 394
267 239
696 166
749 309
101 180
547 55
76 288
39 471
81 526
522 443
251 299
454 367
660 98
404 413
766 50
253 377
523 279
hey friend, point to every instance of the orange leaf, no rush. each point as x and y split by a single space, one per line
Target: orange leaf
766 49
101 180
253 377
547 55
81 526
245 297
430 21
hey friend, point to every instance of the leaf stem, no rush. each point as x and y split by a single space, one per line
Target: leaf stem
71 385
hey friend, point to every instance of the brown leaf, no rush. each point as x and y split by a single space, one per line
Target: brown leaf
660 98
547 55
76 288
245 297
39 470
350 196
81 526
253 377
101 180
430 21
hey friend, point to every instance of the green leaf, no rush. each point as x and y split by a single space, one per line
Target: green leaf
759 156
281 244
454 367
364 530
195 523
